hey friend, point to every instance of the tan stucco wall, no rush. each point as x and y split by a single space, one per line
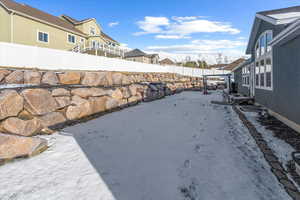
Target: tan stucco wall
4 25
26 32
85 27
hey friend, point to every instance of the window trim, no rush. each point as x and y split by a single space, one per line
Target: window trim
69 34
265 56
92 27
38 39
246 70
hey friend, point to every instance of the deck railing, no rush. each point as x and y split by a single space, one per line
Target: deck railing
113 50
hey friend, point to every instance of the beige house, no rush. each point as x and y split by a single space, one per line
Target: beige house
140 56
23 24
167 61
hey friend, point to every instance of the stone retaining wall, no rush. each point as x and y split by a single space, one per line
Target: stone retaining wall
50 99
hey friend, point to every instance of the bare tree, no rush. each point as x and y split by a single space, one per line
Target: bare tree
226 60
219 58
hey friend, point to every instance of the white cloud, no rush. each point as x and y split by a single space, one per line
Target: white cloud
172 37
201 26
112 24
182 26
198 46
242 38
125 47
208 49
152 25
184 18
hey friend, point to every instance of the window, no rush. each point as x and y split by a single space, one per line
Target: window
257 50
263 61
92 31
93 44
262 73
71 38
269 37
43 37
246 76
262 44
257 74
268 72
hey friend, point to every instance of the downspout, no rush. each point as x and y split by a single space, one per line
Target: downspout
12 27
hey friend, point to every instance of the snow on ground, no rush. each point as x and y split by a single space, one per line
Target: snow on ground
181 147
281 149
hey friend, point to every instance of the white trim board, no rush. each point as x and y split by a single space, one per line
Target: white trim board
286 121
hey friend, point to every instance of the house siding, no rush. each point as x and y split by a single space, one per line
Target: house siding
25 32
285 97
4 25
239 81
141 59
264 26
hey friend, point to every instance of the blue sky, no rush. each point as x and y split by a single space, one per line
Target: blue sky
171 27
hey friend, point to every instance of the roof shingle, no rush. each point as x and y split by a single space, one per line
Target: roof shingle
39 15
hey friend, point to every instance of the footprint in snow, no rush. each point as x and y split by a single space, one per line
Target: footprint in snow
187 164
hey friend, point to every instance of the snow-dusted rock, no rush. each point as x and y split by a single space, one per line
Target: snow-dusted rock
21 127
17 146
39 101
11 104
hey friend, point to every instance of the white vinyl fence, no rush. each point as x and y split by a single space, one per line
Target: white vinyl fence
22 56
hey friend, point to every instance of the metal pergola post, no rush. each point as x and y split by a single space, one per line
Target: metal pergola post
205 88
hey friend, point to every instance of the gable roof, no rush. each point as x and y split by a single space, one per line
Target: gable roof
167 61
38 15
135 53
242 64
275 17
282 13
234 64
75 21
152 55
218 66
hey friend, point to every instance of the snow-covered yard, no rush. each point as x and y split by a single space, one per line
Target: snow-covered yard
181 147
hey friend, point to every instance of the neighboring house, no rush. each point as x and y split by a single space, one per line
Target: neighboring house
23 24
272 74
167 61
217 66
154 58
233 65
140 56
